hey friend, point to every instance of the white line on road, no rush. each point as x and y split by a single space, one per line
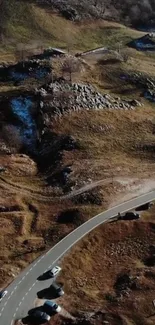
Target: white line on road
96 221
42 257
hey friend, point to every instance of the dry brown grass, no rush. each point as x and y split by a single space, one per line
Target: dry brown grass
101 155
36 222
48 28
91 268
104 151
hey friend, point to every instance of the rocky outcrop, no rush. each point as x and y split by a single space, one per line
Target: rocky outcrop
59 97
127 11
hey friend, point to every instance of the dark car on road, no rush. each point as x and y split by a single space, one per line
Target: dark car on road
145 206
51 307
57 289
128 216
38 317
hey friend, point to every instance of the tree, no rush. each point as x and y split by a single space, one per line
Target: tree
70 65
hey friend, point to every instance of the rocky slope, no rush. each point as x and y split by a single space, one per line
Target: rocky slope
128 11
59 98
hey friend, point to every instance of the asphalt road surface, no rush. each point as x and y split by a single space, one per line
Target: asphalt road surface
23 290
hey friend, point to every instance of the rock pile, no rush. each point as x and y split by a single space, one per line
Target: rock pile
61 97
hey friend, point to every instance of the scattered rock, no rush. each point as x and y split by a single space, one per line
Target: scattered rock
66 97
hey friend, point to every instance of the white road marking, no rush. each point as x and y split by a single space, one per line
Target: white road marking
17 309
42 257
5 303
122 205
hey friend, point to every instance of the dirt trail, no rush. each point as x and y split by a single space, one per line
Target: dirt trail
92 185
46 197
134 187
14 187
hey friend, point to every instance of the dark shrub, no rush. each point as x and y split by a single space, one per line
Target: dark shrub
73 216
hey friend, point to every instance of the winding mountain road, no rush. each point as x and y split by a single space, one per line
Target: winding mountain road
22 291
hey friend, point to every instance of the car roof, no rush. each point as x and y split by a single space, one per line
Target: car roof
50 303
37 312
55 285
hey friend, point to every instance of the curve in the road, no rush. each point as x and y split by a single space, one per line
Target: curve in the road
22 292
